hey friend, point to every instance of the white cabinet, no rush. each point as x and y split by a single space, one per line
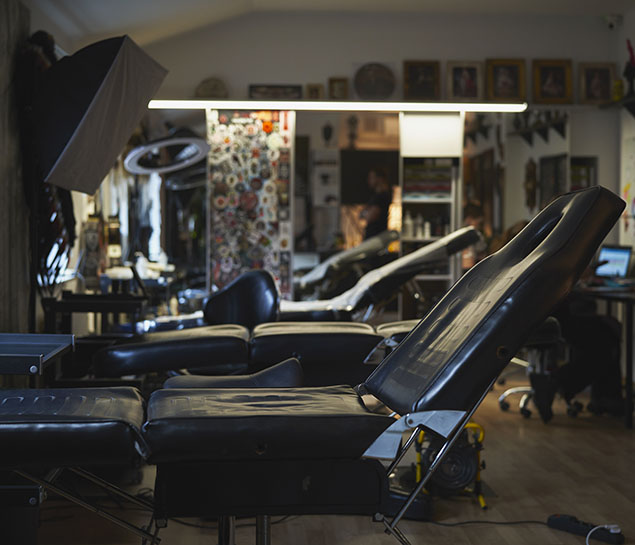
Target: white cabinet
430 180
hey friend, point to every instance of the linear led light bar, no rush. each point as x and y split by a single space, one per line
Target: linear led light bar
335 106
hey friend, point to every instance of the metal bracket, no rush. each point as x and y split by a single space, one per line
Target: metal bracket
442 422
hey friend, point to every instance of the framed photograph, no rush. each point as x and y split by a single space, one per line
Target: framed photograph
338 88
465 81
421 80
275 92
314 91
596 82
505 80
552 81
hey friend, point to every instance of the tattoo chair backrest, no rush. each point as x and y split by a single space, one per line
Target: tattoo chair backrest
249 300
461 346
381 283
368 248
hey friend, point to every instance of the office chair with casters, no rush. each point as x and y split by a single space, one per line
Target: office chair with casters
262 452
543 352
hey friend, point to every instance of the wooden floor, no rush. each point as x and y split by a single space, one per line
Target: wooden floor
583 467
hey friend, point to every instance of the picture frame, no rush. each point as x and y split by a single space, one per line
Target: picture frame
422 80
338 88
314 91
464 81
552 81
505 80
596 82
275 92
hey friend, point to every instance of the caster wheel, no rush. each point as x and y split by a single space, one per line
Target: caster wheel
504 406
525 412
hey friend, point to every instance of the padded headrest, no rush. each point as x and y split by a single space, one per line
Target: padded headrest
249 300
460 347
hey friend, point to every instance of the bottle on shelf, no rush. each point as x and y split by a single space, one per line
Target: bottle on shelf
418 225
408 225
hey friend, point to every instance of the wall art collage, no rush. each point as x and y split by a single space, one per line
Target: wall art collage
250 194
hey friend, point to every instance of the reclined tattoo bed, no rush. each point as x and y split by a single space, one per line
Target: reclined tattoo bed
251 303
330 352
262 452
340 271
253 298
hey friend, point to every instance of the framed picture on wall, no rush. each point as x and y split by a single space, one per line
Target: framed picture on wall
422 80
275 92
464 81
338 88
505 80
552 82
314 91
596 82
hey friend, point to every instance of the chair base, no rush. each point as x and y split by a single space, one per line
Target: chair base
252 488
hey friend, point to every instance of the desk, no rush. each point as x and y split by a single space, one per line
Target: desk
626 298
29 354
105 304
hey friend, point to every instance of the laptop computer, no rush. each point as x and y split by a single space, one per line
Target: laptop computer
614 264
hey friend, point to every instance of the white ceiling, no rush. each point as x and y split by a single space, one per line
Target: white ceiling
146 21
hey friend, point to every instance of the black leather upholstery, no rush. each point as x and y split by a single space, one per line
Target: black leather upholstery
66 427
250 299
330 352
226 346
381 284
286 374
450 358
317 315
293 436
396 331
334 268
263 424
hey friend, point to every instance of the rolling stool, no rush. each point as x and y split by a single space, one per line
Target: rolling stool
543 349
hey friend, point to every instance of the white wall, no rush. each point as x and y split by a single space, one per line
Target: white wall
310 48
517 154
627 141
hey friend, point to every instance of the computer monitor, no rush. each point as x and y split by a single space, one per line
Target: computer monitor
615 259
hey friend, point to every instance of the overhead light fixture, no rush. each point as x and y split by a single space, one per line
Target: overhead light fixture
337 106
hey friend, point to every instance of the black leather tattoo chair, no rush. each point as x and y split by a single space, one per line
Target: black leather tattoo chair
253 298
340 271
263 452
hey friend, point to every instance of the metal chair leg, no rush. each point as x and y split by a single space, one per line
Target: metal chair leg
263 530
226 530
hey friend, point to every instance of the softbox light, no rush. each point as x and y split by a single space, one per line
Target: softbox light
87 108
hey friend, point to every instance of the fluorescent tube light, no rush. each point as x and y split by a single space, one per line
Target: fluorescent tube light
336 106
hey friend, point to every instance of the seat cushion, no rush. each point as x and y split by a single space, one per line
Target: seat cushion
260 424
220 349
330 352
286 374
68 427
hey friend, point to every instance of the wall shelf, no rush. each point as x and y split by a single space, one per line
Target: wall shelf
542 129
